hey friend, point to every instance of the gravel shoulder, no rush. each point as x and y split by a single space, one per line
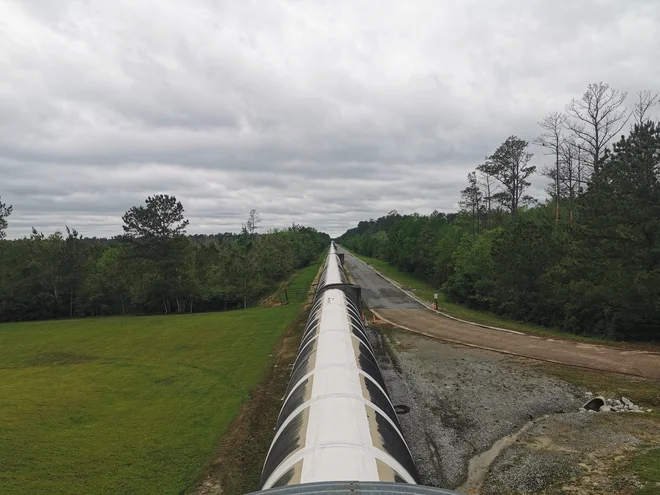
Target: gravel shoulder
575 453
463 401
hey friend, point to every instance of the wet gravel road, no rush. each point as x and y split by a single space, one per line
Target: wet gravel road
377 292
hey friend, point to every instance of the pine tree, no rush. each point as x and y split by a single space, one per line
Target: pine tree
620 233
509 165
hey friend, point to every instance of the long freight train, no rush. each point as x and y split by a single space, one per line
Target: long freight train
337 426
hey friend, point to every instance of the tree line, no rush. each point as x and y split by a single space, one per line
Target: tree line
586 261
154 267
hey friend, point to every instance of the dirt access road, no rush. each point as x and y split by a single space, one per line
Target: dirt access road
394 306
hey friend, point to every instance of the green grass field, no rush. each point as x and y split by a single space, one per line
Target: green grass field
647 468
304 278
126 405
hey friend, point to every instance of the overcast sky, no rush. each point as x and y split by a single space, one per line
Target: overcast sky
316 112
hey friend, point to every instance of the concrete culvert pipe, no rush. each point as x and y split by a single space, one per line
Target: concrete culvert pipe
594 404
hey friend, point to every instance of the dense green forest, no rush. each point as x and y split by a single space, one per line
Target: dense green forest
587 261
153 268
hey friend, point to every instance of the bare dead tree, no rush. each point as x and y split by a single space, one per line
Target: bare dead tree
569 173
471 198
254 219
551 139
596 118
645 101
581 175
552 189
489 188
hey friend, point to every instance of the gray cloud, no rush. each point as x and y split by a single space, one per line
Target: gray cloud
321 113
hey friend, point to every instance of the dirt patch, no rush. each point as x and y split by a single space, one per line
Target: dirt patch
576 453
236 467
59 359
275 299
574 353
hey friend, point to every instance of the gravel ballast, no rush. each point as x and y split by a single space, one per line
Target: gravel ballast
462 400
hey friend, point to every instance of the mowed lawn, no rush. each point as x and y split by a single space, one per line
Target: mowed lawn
125 405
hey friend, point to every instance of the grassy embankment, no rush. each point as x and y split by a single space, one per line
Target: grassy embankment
647 469
127 404
304 278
